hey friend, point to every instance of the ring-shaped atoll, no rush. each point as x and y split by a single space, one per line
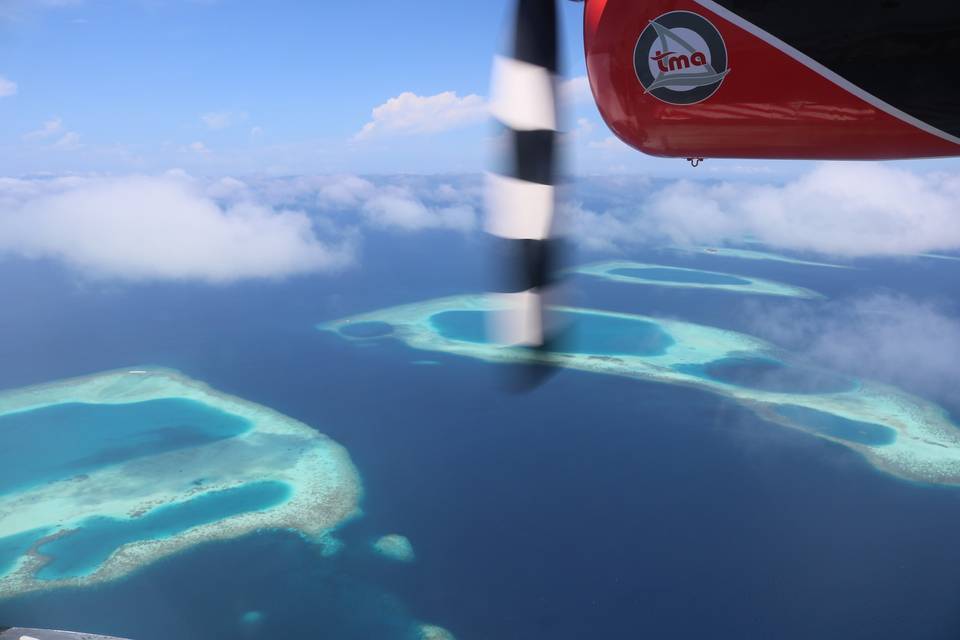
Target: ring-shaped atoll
899 433
630 272
114 471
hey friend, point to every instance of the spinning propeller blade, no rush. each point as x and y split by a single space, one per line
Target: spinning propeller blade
521 192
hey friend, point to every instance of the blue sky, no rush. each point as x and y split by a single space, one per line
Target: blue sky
286 84
124 124
234 87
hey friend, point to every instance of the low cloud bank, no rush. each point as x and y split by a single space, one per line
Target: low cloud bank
840 209
400 203
177 227
159 228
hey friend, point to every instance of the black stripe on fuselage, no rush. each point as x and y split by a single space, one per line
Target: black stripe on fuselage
904 52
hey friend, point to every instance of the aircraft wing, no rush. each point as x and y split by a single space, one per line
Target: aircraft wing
18 633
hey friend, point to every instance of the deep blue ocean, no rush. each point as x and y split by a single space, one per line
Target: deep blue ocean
593 507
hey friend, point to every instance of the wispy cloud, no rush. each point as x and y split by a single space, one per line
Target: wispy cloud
409 114
398 208
887 337
575 90
197 147
217 120
68 141
53 129
7 87
405 204
50 128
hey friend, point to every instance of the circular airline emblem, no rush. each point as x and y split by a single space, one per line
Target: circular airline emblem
681 58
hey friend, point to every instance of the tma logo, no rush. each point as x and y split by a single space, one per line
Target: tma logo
668 61
681 58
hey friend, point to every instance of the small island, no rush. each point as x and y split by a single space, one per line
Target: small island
116 470
433 632
395 547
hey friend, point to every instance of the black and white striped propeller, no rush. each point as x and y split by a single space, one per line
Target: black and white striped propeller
521 192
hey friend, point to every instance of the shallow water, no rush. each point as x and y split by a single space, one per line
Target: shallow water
666 274
367 330
12 548
61 441
595 507
589 333
770 375
80 553
867 433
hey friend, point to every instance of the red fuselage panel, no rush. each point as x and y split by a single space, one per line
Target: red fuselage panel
749 95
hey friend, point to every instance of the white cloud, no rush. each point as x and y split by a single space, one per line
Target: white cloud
581 132
217 120
69 141
575 90
7 87
344 191
398 208
51 127
159 228
848 209
408 203
887 337
598 231
197 147
226 189
409 113
840 209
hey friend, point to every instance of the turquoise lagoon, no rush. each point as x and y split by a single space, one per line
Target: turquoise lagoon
769 374
897 432
82 552
14 548
866 433
119 469
588 333
64 440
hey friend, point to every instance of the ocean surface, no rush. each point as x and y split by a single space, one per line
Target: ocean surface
594 507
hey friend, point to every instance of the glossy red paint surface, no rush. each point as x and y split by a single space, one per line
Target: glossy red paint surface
769 105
